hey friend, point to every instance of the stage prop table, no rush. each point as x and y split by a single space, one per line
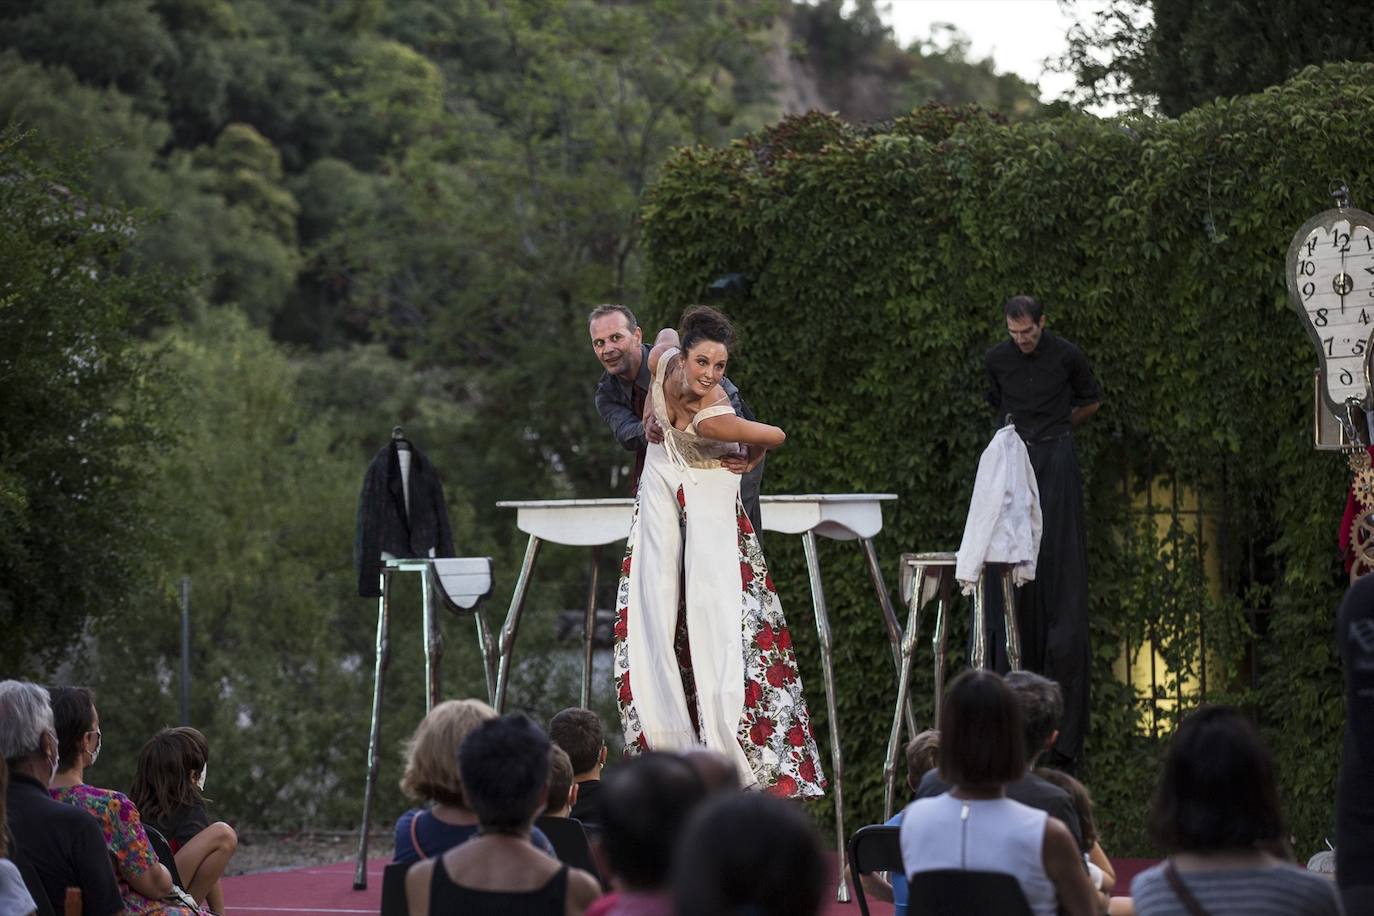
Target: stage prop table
462 582
927 577
597 522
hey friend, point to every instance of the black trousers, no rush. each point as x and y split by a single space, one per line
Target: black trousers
1052 610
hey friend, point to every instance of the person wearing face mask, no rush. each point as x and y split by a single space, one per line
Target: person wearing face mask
63 845
145 884
168 788
690 540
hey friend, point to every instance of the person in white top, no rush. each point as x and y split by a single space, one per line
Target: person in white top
974 826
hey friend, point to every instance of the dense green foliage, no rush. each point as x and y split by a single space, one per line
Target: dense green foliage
1178 54
877 261
81 403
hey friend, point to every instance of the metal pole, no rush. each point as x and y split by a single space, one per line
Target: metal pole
588 630
185 650
511 627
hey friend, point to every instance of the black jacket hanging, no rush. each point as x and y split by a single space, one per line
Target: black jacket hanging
384 524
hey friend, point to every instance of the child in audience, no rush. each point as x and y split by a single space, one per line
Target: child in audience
562 789
504 764
1099 866
168 786
579 732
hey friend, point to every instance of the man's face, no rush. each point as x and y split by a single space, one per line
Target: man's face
618 348
1025 333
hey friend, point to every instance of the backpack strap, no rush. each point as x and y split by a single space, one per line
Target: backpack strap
1185 896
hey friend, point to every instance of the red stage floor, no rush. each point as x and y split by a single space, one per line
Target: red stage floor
328 889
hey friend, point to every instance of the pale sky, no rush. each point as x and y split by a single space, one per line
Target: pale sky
1017 34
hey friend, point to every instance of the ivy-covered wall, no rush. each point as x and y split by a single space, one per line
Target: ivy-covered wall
877 259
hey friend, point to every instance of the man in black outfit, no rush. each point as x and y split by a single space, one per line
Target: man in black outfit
1355 786
618 342
1042 704
62 843
1042 383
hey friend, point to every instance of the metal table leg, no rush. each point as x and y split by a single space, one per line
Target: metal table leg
512 624
978 657
939 642
908 649
894 629
434 641
1009 622
588 630
375 732
813 568
487 644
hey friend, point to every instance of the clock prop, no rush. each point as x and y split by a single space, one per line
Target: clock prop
1331 286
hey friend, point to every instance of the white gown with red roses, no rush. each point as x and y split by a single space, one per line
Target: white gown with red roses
703 656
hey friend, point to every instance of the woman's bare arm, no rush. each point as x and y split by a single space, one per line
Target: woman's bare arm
1064 867
733 428
155 883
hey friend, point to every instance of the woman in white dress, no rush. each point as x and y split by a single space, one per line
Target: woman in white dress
731 684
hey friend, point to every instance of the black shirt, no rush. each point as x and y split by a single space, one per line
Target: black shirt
1039 389
1029 790
65 846
588 807
1355 787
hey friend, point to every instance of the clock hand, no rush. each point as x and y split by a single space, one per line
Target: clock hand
1342 281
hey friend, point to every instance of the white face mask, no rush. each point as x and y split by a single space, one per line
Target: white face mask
95 754
200 780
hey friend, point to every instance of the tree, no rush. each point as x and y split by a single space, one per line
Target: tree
81 404
1178 54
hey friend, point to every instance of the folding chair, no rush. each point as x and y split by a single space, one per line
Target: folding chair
33 883
569 839
394 888
163 850
954 892
872 848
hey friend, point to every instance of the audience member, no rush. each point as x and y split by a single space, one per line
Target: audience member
645 806
1355 785
922 755
1216 812
749 853
579 732
975 826
562 789
1042 705
505 776
1100 868
14 896
431 775
168 790
717 772
64 846
145 884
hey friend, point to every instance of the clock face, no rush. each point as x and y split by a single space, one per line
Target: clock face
1331 284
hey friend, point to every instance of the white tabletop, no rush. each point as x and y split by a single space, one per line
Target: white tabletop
589 522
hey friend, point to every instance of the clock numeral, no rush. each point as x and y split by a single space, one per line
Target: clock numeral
1364 317
1369 270
1341 240
1346 377
1330 343
1319 318
1308 289
1368 244
1359 347
1311 245
1308 268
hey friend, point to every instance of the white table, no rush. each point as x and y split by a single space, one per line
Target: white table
597 522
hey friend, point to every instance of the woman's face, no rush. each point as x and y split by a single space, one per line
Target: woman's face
704 367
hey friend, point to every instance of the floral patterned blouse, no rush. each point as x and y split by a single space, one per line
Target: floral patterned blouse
127 842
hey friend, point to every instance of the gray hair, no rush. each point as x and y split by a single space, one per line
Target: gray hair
25 714
1042 706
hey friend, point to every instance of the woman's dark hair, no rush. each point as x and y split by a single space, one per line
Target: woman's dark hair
749 853
645 805
701 322
1217 790
162 781
73 718
504 765
982 742
1078 794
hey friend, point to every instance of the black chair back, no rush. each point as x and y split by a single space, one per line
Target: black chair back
33 883
569 839
872 848
394 888
163 850
954 892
